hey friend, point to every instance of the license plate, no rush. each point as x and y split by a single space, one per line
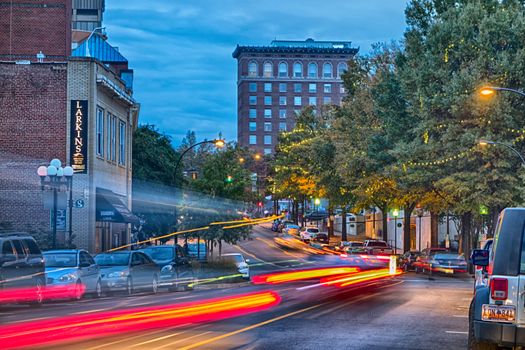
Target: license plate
501 313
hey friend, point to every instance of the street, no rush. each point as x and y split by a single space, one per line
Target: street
408 312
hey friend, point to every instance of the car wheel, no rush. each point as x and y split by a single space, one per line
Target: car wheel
79 293
98 290
129 286
39 293
473 344
155 284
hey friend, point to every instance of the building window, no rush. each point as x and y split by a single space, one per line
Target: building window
253 87
282 113
312 88
267 151
283 70
122 143
327 100
297 87
342 89
267 87
282 87
253 100
112 137
312 70
267 139
267 126
267 113
312 101
267 70
327 88
327 70
297 101
253 126
297 70
253 139
282 100
267 100
100 132
252 69
341 69
253 113
282 126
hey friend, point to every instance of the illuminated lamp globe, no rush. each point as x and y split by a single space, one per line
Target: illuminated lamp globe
42 171
68 171
56 163
52 170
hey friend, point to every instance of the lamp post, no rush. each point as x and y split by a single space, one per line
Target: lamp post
515 151
419 213
218 143
395 213
490 90
53 177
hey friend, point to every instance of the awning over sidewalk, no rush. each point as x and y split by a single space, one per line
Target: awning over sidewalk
111 208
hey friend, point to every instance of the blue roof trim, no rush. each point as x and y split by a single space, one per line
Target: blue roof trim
99 49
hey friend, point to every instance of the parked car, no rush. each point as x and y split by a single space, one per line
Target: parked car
275 225
175 268
197 252
240 262
283 224
308 233
407 260
22 265
292 229
496 316
351 247
440 260
321 238
74 268
128 271
377 247
480 272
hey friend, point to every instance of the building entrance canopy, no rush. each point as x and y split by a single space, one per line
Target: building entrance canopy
111 208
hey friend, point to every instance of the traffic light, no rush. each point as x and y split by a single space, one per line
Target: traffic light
229 179
260 204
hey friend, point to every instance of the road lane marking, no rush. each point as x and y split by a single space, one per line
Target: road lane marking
339 306
127 339
154 340
90 311
257 325
460 316
33 319
456 332
279 248
180 340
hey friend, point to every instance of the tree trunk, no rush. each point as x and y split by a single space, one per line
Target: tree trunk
434 228
220 247
384 219
344 236
330 221
407 214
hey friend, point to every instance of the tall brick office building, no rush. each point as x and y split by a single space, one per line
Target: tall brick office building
275 82
42 82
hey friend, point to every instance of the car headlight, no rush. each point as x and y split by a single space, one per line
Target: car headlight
117 274
167 269
67 277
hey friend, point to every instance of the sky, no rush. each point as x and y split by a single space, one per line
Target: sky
181 50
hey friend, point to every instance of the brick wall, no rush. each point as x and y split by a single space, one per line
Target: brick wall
30 26
32 132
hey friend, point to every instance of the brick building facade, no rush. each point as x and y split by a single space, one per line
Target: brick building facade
275 82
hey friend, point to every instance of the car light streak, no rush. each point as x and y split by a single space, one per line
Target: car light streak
31 334
360 277
284 277
31 294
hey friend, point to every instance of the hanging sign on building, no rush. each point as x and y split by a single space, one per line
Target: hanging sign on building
79 136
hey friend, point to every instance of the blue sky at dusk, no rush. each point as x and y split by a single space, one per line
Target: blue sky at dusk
185 76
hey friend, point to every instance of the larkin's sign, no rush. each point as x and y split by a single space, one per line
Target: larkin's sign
79 136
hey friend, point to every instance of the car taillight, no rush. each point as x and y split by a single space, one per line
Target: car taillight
499 288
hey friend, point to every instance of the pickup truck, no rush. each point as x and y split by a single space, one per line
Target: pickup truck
376 247
497 311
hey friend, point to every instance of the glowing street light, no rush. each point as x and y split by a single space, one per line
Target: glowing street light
241 160
515 151
219 143
257 156
317 201
491 90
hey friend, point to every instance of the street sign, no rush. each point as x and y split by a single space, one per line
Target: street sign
79 203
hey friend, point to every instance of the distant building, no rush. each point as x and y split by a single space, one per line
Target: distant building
87 14
56 99
275 82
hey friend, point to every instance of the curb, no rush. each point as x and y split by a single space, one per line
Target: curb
221 285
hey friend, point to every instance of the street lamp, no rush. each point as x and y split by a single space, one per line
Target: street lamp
515 151
419 213
53 177
219 143
490 90
395 213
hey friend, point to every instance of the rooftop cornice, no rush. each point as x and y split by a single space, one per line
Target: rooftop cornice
305 50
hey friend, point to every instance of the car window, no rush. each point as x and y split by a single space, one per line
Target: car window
7 249
60 259
31 247
112 259
180 253
19 249
135 259
84 258
145 259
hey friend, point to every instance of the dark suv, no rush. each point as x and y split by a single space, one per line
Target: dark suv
22 265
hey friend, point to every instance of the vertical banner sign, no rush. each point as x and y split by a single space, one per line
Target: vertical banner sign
79 136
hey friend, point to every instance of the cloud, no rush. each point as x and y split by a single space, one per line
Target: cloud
185 76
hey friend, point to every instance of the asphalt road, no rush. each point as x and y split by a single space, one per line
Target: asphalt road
408 312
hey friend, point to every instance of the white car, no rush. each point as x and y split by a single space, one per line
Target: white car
240 262
308 233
